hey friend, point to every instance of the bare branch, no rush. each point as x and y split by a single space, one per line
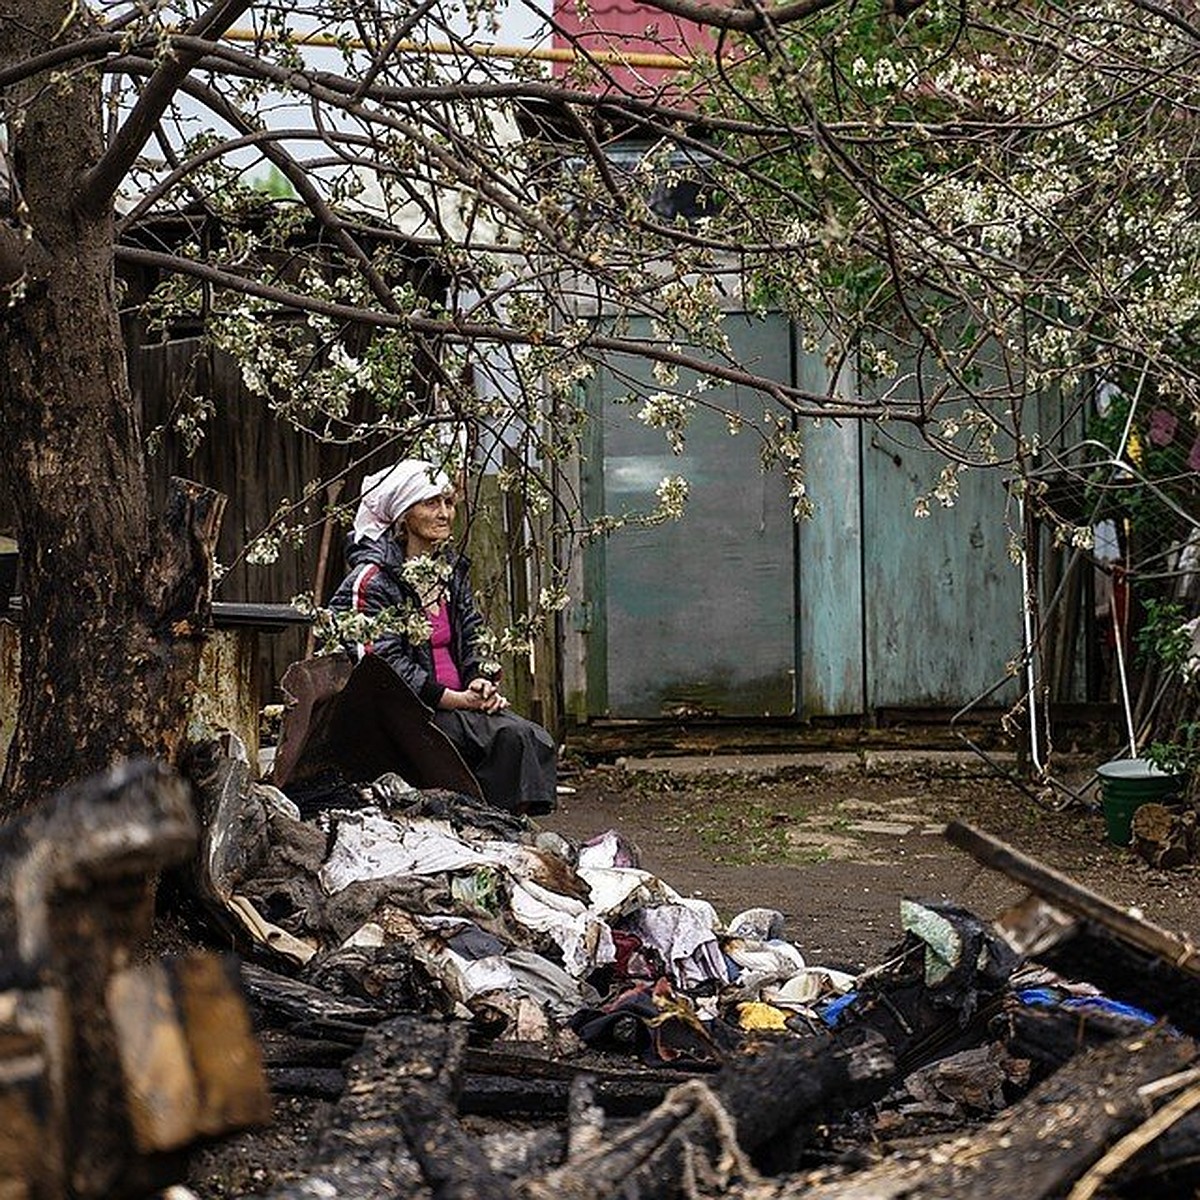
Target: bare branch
305 189
180 171
745 19
93 47
228 60
99 185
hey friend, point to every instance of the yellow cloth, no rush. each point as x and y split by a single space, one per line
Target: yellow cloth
754 1014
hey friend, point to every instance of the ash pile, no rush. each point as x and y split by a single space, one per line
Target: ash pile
485 1009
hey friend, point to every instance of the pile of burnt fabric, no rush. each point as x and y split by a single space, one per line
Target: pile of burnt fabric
510 925
449 963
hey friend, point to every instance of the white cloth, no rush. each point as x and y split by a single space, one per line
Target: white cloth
369 845
608 849
763 962
616 891
586 942
683 934
807 987
390 493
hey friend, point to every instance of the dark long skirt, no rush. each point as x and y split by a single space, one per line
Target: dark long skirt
513 759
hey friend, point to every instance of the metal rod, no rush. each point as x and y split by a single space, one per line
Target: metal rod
1035 751
664 62
1120 623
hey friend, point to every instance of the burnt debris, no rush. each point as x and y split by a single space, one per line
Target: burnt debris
487 1009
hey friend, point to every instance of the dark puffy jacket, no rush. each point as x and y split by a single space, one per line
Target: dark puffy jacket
375 582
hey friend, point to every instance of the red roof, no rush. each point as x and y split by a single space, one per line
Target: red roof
628 29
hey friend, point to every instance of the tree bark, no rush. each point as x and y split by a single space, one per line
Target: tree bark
106 659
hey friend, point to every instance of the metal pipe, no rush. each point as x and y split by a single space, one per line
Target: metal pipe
615 58
1120 624
1035 752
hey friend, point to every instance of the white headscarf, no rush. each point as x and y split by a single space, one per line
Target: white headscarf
390 493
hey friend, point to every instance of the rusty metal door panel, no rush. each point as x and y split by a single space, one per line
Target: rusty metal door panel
697 615
943 601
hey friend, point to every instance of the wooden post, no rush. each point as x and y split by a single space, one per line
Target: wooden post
332 493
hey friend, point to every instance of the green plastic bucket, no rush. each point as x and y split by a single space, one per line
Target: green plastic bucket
1125 785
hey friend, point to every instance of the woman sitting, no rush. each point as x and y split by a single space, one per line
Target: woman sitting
404 575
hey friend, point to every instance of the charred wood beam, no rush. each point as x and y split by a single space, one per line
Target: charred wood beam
303 1008
806 1079
1036 1148
109 1067
497 1080
118 829
497 1095
399 1105
181 584
1123 972
487 1095
528 1060
324 1083
1050 1037
1069 896
708 1131
76 879
287 1050
1123 955
1168 1165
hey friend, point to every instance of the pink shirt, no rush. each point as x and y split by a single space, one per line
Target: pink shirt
444 668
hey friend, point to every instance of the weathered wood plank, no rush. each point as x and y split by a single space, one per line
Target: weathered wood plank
222 1049
99 1054
164 1099
1064 893
189 1059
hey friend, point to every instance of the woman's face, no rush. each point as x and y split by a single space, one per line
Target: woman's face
429 522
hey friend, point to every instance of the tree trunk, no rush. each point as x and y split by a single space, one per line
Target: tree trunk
103 672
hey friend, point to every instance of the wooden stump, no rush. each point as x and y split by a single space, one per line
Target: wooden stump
1164 835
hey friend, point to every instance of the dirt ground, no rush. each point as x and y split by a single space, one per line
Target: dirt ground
836 849
833 848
